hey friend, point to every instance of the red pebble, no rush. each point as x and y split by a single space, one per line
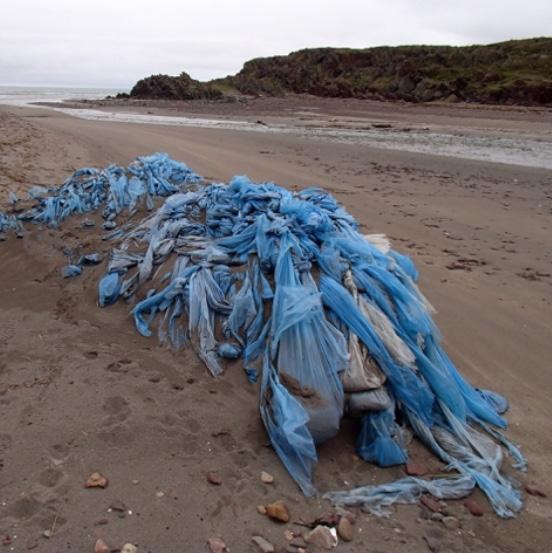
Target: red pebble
431 503
473 507
214 478
415 469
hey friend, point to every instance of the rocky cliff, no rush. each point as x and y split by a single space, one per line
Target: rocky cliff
514 72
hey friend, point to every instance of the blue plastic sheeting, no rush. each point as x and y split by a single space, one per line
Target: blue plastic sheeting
112 189
330 321
9 223
90 259
378 499
380 439
109 289
70 271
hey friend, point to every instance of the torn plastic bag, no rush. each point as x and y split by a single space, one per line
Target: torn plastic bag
309 352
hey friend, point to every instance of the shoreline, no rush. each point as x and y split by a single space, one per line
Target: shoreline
518 137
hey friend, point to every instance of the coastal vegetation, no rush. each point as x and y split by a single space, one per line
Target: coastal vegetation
516 72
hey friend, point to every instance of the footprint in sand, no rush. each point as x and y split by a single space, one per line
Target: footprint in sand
31 510
118 435
7 332
5 442
115 430
50 477
121 367
117 408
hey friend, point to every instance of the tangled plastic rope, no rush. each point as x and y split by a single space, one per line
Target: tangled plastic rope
329 320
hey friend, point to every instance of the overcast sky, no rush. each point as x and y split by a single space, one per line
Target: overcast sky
113 43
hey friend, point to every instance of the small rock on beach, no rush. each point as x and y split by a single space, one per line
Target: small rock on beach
321 537
278 511
264 545
216 545
96 480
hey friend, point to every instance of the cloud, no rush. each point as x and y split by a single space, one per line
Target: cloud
113 44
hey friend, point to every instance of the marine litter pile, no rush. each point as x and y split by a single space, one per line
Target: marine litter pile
330 322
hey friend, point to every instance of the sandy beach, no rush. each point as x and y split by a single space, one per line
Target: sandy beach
82 391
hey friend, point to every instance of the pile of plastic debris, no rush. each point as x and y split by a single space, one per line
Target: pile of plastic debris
329 320
112 189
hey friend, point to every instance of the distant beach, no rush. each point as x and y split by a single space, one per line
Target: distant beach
337 120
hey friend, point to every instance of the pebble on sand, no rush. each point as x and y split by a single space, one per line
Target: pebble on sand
321 537
278 511
450 522
266 478
298 542
415 469
473 507
118 505
101 547
214 478
264 545
129 548
216 545
288 534
96 480
431 503
345 529
433 543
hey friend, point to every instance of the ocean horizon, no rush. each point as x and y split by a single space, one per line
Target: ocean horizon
21 95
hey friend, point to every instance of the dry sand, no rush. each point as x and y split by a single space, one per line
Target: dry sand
81 391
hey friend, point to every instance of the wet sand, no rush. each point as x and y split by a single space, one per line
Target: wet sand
518 136
82 391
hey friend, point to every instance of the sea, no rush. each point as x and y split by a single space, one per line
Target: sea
523 150
28 95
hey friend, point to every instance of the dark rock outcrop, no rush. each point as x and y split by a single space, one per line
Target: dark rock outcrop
166 87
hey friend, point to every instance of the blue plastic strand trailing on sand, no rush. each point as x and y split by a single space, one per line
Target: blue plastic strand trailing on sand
332 321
